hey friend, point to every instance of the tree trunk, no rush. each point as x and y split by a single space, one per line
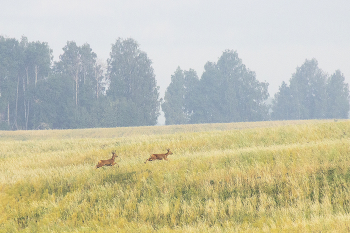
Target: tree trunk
36 74
15 123
76 84
96 77
76 91
84 75
24 103
27 76
27 116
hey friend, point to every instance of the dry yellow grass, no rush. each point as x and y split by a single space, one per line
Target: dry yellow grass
238 177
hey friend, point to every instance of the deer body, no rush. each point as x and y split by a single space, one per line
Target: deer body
108 162
160 156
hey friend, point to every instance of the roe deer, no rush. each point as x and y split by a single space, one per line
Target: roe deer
160 156
108 162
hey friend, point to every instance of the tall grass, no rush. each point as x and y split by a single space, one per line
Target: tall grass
253 177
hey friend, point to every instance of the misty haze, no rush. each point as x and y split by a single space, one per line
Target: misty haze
174 116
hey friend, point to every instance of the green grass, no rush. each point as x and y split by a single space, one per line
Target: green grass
238 177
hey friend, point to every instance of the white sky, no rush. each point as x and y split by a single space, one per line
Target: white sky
272 37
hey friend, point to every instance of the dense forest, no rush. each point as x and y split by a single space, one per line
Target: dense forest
79 91
229 92
76 91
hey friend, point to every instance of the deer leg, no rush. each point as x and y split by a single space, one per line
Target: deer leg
148 160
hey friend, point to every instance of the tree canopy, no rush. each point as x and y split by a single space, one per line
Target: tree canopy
312 95
81 91
226 92
132 84
179 97
22 65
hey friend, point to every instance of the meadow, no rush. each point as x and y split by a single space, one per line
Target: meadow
283 176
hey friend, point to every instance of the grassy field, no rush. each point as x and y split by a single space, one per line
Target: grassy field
240 177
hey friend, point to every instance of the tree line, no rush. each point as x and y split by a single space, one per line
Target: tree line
79 91
229 92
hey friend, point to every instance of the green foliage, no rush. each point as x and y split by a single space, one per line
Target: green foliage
337 96
75 93
23 65
34 95
308 86
80 80
312 95
79 63
10 51
179 97
281 104
229 92
132 84
226 92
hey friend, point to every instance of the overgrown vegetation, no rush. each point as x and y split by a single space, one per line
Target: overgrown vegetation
267 176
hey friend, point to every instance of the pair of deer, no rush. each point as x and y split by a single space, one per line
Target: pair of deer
110 162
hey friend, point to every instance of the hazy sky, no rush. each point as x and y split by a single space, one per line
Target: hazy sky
272 37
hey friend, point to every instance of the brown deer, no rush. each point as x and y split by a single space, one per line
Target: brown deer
160 156
108 162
